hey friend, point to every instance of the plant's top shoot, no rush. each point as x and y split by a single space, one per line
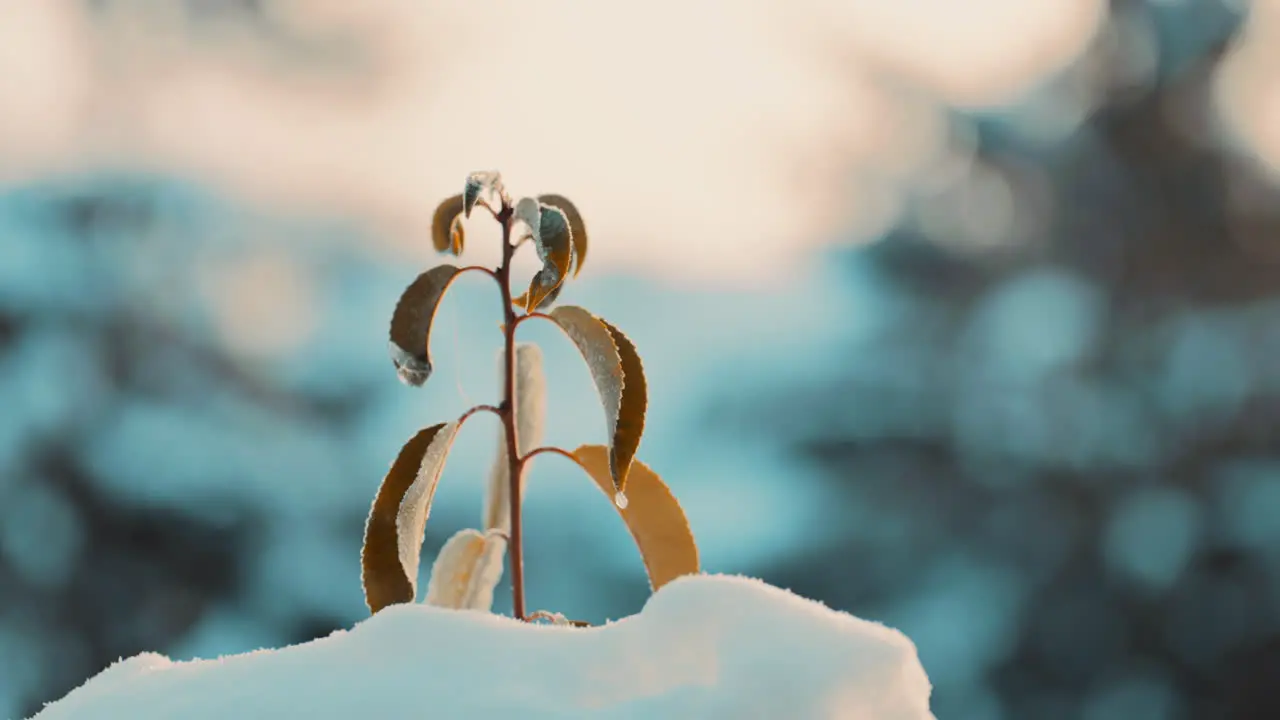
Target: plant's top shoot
470 564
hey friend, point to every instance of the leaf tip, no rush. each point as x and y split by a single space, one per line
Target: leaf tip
412 371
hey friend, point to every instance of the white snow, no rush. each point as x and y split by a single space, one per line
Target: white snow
706 646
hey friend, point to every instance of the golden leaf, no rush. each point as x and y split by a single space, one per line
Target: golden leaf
410 344
382 573
411 518
556 251
443 224
655 519
629 428
577 227
619 378
457 236
467 570
522 300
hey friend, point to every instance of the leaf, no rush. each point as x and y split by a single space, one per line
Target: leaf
629 428
470 194
457 236
385 572
411 519
467 571
411 324
531 413
446 226
619 378
528 213
482 187
577 227
522 301
555 250
655 519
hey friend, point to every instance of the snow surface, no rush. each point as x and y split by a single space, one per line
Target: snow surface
706 646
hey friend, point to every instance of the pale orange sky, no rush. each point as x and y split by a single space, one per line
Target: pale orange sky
703 139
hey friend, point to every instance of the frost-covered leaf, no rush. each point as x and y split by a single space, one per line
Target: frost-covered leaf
411 519
577 227
446 226
619 378
482 187
531 413
629 428
382 570
528 213
555 245
411 324
555 250
467 571
522 301
655 519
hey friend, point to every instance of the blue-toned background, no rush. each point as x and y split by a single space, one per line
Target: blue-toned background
964 319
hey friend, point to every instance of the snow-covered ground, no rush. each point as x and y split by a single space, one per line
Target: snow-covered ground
706 646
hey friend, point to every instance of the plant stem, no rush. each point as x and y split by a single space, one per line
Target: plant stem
507 411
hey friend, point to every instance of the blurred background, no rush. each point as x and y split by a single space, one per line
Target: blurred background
957 316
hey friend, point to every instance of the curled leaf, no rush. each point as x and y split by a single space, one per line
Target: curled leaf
555 250
619 378
467 570
411 324
522 301
383 574
629 428
457 236
446 226
482 187
655 519
531 413
577 227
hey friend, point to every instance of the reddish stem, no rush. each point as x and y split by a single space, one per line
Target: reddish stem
507 411
479 409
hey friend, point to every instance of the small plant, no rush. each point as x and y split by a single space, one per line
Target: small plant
469 565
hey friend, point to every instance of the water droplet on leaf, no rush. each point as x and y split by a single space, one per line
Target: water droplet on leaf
620 499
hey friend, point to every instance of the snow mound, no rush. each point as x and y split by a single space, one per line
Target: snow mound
706 646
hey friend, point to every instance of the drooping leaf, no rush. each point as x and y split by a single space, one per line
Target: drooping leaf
443 224
629 429
595 344
457 236
467 570
411 324
531 412
411 518
555 242
577 227
555 249
655 519
382 573
619 378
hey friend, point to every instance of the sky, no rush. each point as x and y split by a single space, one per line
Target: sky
709 141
